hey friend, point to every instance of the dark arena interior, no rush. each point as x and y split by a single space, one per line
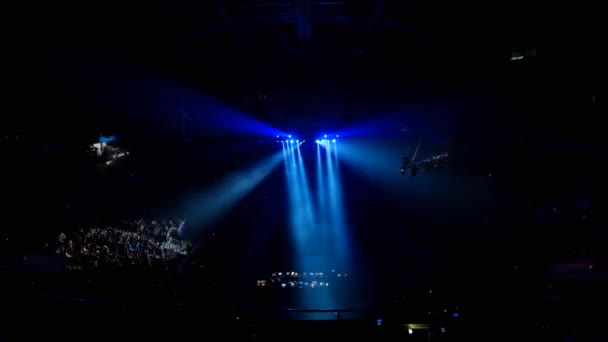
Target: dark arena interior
301 169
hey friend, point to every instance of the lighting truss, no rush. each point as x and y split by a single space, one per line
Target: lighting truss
432 161
289 138
328 138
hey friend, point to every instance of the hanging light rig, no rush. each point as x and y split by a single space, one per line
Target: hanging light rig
288 139
427 164
328 139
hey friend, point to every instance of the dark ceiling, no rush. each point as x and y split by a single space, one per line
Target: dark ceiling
324 59
332 63
444 69
257 35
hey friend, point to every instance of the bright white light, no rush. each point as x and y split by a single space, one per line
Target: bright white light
297 141
317 141
410 331
289 136
333 141
290 140
277 136
325 136
337 136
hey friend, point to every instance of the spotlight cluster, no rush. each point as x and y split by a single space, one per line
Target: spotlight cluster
327 139
288 139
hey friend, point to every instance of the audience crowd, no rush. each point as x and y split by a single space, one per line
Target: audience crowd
129 243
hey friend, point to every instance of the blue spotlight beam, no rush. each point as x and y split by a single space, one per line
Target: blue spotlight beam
321 190
378 161
304 185
322 194
332 218
170 106
336 208
294 191
307 210
309 253
208 207
343 235
297 196
402 123
298 182
228 120
306 254
373 159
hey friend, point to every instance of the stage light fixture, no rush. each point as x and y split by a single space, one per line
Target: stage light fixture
333 141
289 136
325 136
291 140
425 164
318 141
297 141
337 136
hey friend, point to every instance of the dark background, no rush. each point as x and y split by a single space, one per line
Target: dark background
75 71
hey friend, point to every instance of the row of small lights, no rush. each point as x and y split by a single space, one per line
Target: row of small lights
288 140
318 141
